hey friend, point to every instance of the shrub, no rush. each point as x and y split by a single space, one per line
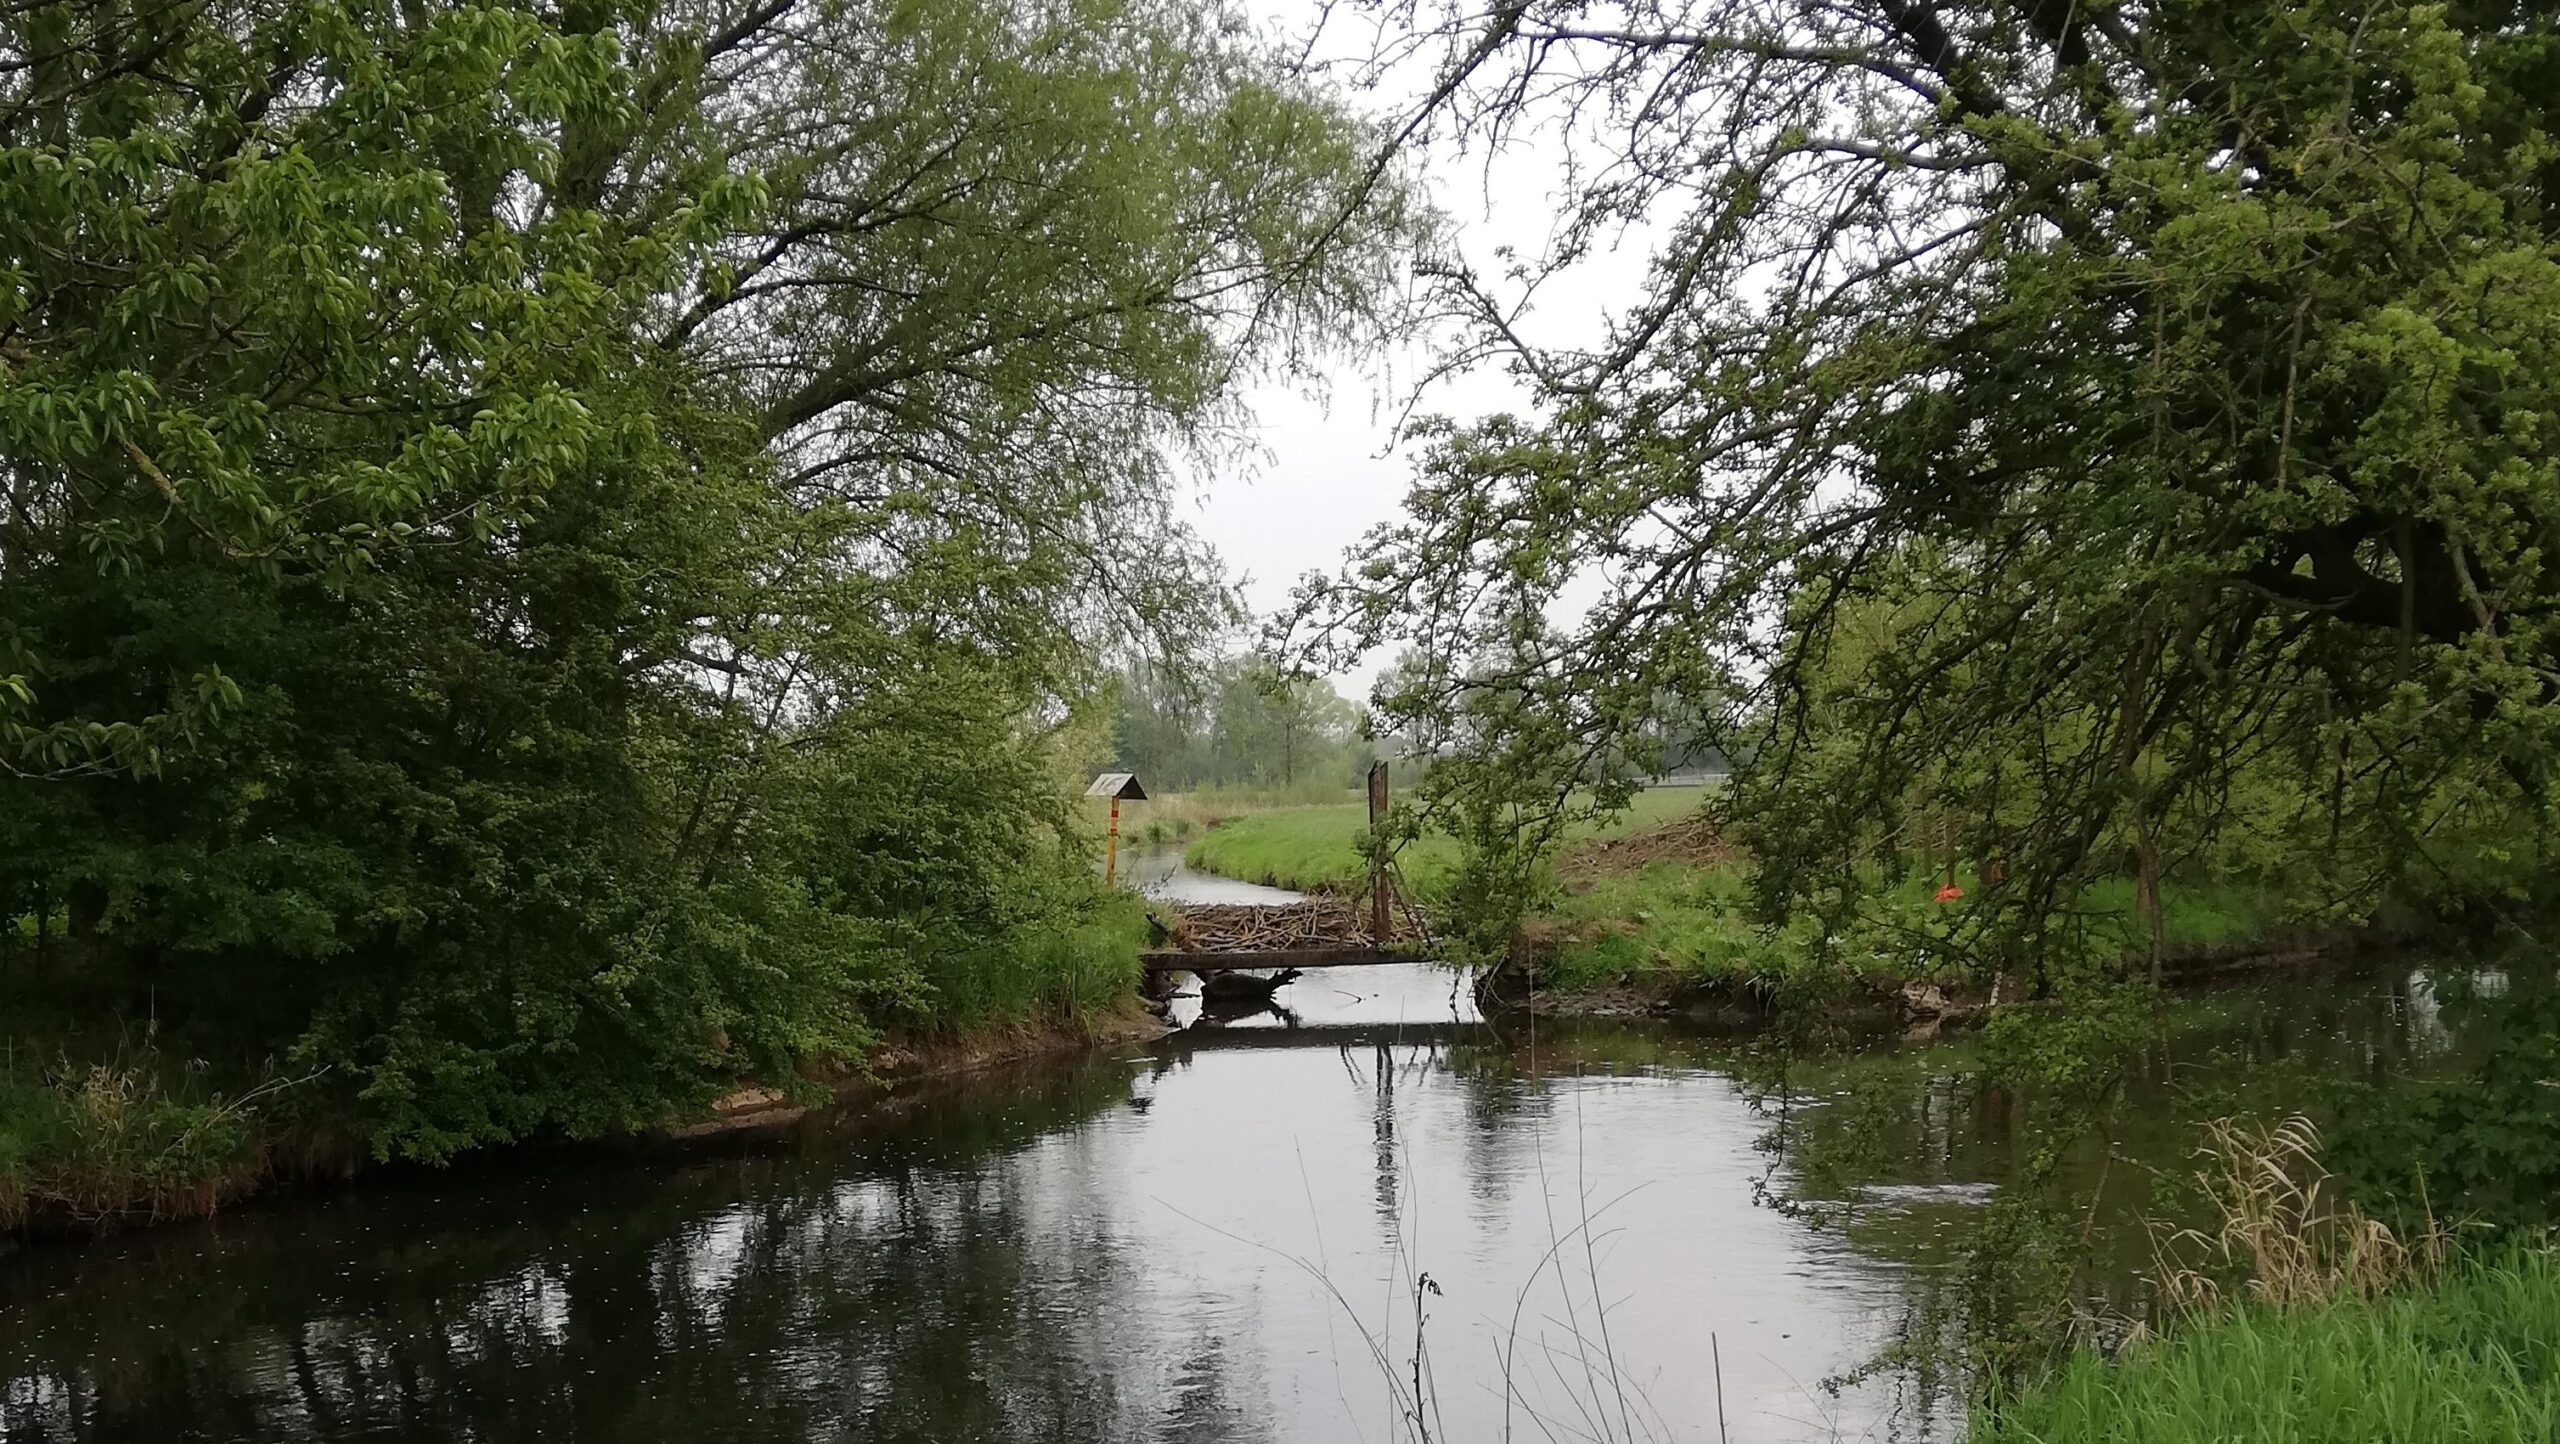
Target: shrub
91 1141
2483 1148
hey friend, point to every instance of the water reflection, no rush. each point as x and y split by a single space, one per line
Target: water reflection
1214 1239
955 1284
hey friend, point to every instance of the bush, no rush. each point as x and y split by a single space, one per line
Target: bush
1065 971
99 1140
2481 1149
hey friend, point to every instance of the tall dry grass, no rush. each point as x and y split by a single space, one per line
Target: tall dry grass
2284 1236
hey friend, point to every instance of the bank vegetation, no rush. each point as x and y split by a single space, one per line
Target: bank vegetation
558 560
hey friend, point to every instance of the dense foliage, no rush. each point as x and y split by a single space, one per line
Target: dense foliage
2112 438
2479 1150
547 550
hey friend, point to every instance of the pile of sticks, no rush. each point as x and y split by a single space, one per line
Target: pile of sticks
1317 922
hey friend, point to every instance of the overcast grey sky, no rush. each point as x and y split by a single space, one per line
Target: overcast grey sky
1330 469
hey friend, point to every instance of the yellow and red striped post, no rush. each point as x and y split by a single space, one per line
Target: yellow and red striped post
1111 848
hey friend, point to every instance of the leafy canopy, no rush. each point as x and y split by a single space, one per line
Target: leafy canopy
2119 436
548 549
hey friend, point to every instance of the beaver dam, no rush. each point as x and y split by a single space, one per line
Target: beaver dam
1312 932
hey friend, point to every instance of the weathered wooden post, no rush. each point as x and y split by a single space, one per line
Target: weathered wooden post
1378 854
1115 785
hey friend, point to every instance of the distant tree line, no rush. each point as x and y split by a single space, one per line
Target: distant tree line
1239 723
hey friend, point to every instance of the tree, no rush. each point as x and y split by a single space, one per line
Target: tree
1158 729
2173 383
1246 723
547 547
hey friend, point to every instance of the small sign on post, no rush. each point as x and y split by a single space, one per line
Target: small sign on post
1115 785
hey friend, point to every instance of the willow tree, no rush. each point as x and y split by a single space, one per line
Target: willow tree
2109 425
542 541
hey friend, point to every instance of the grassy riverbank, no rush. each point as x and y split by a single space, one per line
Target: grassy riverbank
1182 817
1318 847
1656 902
2475 1358
130 1124
1681 922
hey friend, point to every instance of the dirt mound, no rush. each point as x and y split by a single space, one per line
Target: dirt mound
1690 841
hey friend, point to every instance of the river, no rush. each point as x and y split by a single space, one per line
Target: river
1220 1237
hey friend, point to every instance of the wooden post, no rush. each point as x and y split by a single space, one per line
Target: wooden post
1378 859
1111 848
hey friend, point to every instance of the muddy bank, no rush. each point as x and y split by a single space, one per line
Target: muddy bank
307 1158
901 1063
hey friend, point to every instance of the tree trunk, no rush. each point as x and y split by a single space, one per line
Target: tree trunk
2146 900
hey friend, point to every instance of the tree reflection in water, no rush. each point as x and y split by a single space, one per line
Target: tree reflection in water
943 1292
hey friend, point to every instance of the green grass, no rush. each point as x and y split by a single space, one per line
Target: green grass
1172 817
2192 915
1668 922
2475 1358
1671 922
1306 847
1319 847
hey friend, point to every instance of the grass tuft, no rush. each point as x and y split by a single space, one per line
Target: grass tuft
88 1142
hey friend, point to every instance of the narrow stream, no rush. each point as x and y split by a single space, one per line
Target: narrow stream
1160 872
1220 1237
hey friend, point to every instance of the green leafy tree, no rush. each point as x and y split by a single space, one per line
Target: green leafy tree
549 550
1159 729
2123 424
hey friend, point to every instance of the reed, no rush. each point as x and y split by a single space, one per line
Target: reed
2285 1235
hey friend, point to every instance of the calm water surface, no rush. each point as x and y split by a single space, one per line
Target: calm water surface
1215 1238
